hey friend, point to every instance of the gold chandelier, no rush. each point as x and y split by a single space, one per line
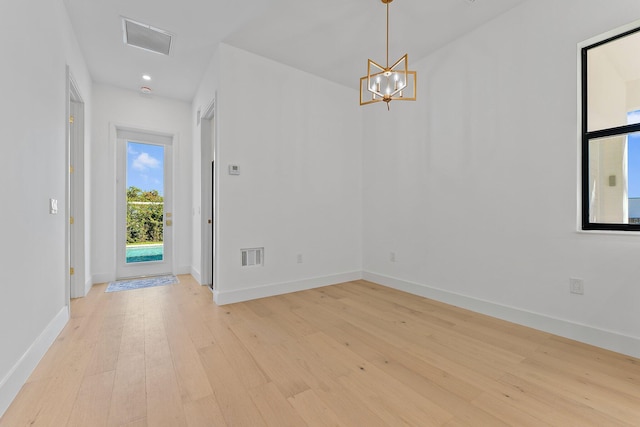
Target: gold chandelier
389 83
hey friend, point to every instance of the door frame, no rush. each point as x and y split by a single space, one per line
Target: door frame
208 193
123 135
77 285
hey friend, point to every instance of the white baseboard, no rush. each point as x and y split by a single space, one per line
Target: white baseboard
18 375
196 275
230 297
87 286
103 277
587 334
184 269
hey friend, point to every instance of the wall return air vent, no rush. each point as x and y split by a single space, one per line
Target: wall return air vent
252 257
146 37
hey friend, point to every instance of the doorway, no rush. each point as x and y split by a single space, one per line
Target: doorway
144 204
207 196
212 231
77 286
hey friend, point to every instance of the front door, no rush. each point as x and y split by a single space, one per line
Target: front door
144 208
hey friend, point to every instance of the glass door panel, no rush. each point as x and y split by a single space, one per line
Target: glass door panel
145 202
144 206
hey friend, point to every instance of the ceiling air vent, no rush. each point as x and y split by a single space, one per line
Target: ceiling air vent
146 37
252 257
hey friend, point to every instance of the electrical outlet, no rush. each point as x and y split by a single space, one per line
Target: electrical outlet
299 258
392 256
576 286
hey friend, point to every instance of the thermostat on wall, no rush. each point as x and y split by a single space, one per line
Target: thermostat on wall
234 170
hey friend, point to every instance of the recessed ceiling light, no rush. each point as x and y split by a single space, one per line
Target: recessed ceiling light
145 89
146 77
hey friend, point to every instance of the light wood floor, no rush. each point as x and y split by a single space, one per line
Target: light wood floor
355 354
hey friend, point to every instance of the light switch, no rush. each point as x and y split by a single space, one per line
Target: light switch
53 206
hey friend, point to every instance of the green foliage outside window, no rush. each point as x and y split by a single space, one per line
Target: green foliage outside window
144 216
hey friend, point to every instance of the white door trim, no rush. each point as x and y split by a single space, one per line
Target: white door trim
75 203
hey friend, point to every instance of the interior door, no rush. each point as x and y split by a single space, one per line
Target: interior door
212 223
76 199
144 208
207 197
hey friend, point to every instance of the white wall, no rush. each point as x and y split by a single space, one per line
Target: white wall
33 292
297 140
114 106
475 186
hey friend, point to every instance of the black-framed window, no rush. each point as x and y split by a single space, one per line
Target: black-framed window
611 133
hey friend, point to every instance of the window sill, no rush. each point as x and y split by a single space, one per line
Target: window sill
610 232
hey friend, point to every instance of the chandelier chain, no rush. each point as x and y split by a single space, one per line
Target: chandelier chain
387 36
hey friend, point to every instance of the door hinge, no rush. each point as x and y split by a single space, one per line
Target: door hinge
71 119
71 169
71 271
71 220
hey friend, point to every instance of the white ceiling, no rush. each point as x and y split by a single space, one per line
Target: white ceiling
329 38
